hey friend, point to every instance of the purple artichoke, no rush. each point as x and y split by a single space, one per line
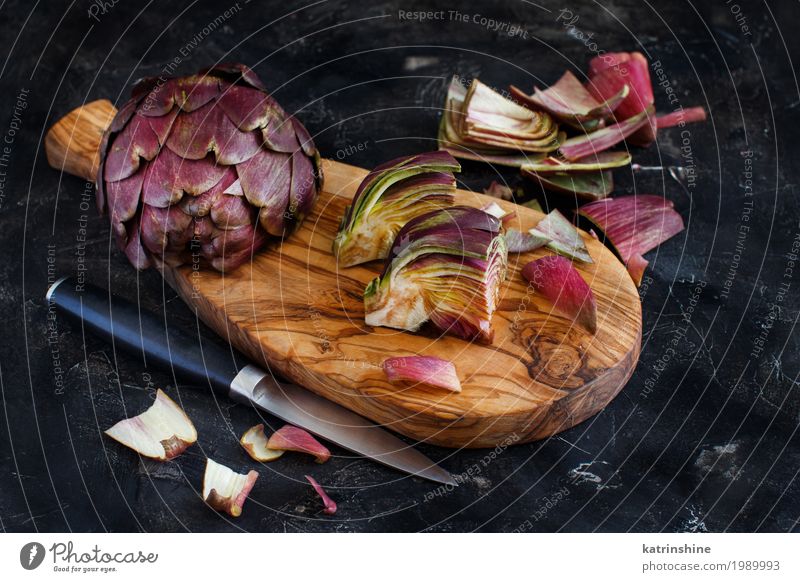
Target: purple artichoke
207 166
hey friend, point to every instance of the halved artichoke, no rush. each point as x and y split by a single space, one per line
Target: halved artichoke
390 196
445 266
206 166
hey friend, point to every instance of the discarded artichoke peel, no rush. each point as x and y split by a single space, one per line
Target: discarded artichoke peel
254 441
224 489
161 432
422 370
292 438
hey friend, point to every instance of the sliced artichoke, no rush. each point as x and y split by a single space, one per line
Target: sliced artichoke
445 266
390 196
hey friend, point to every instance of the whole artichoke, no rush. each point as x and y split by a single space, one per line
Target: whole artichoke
207 166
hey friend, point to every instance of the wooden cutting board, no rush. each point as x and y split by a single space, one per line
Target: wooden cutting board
294 310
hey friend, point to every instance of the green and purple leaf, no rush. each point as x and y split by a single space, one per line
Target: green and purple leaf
594 185
564 237
523 242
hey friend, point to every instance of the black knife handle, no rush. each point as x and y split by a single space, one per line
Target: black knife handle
146 334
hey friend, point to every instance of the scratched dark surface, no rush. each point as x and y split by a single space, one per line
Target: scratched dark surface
703 438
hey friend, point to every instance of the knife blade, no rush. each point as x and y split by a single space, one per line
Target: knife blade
201 363
332 422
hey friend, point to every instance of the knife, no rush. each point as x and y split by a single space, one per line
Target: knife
125 325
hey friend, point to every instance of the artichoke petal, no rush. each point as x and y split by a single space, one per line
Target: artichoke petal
192 93
137 140
248 108
169 176
134 250
231 212
123 196
200 205
266 180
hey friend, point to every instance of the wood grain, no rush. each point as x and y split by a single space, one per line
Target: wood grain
73 143
293 310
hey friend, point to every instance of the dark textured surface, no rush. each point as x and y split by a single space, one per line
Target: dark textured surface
704 437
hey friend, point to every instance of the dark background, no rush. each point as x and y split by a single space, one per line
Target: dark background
702 439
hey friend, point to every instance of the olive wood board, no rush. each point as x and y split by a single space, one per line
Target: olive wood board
292 308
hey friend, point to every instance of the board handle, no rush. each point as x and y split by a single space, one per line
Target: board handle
73 143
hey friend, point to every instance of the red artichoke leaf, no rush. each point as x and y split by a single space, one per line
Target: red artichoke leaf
191 93
280 135
165 229
169 176
237 71
134 249
568 99
634 225
200 205
636 266
609 72
123 116
231 212
588 185
208 129
162 125
266 180
584 145
291 438
523 242
329 505
306 143
564 237
124 196
137 140
557 280
235 189
497 190
303 189
160 100
246 239
224 244
682 116
248 108
424 370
